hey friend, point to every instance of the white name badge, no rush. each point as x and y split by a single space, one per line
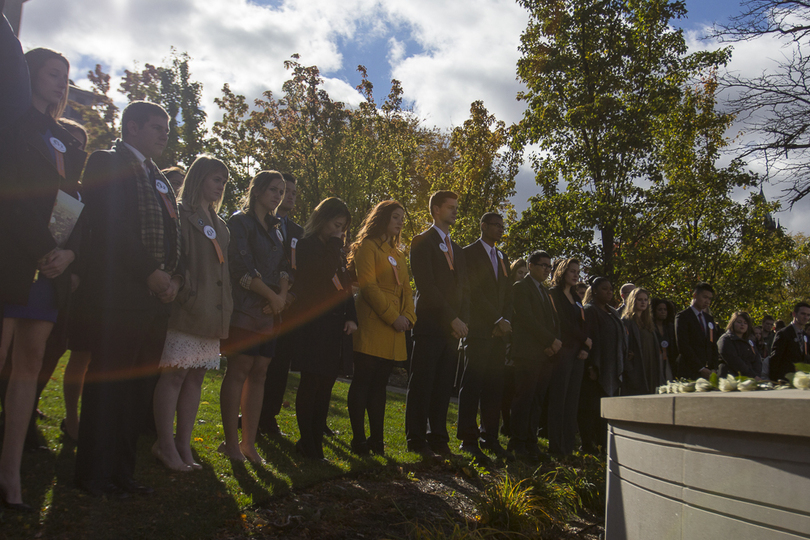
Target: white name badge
392 260
711 325
280 236
161 187
58 145
443 247
751 342
500 255
805 338
293 243
579 304
664 344
210 232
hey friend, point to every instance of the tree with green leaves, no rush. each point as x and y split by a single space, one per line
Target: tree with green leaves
171 86
100 116
598 75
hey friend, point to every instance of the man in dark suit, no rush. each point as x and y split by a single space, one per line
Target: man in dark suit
696 334
485 345
790 344
275 383
442 306
535 341
133 276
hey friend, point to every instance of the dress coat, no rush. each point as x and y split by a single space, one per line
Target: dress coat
385 294
535 324
788 349
259 253
636 378
442 293
119 263
609 352
321 309
739 355
573 330
696 349
204 306
29 183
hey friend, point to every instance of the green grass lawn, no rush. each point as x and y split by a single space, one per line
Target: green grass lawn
212 502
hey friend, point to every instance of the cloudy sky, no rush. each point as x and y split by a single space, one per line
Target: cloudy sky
446 53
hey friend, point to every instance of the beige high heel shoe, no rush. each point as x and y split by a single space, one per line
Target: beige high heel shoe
161 458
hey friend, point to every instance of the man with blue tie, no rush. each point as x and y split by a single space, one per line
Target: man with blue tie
485 344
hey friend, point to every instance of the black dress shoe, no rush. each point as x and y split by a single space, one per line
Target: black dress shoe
442 449
499 451
131 486
327 432
361 448
376 447
18 507
423 450
475 453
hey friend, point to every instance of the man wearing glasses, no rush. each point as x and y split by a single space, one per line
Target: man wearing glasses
535 341
485 344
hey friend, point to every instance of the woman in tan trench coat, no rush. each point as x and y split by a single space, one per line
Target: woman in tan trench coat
385 312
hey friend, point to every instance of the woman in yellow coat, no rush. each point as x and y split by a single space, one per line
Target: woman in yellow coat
384 313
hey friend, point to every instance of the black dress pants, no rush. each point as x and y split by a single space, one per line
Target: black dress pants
481 384
311 410
433 368
367 393
275 384
532 377
563 402
117 395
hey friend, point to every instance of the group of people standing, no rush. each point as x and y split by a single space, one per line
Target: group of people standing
147 286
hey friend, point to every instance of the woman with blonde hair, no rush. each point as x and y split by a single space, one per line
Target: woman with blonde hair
40 165
384 313
200 314
643 370
259 281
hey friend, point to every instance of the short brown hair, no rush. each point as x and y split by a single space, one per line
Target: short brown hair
140 112
438 198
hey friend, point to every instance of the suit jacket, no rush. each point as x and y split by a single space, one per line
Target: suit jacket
697 349
609 352
490 295
294 231
535 324
442 294
119 263
29 183
788 349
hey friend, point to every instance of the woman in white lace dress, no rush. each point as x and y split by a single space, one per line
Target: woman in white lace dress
200 313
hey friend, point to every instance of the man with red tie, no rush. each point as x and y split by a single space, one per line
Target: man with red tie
134 273
442 308
697 334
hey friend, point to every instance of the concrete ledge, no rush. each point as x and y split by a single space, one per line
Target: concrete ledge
776 411
713 465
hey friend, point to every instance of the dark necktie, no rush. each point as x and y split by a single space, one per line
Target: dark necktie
702 322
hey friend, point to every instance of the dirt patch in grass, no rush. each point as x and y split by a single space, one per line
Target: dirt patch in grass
382 504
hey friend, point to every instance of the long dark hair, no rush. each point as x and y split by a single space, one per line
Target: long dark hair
258 184
325 212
